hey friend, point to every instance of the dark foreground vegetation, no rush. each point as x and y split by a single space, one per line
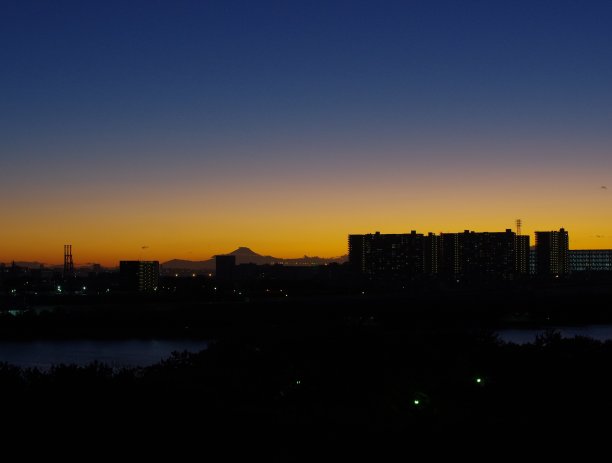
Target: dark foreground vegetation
363 374
359 384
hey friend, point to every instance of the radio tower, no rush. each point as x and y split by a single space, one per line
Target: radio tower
518 227
68 264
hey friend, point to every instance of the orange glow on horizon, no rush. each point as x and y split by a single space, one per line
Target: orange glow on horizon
323 234
310 214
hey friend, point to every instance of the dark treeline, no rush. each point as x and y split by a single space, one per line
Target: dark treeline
352 384
378 369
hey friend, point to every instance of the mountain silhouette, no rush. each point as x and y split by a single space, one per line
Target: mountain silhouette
244 251
30 265
245 255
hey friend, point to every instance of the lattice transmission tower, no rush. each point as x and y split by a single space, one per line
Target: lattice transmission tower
68 263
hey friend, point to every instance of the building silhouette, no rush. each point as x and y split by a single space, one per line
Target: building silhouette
357 245
590 260
225 266
523 255
139 275
483 254
552 252
471 253
431 254
474 254
388 254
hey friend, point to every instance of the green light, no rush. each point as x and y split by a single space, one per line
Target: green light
416 402
478 380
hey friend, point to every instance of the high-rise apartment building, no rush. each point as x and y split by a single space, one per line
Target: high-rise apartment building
523 255
139 275
388 254
483 254
486 254
552 252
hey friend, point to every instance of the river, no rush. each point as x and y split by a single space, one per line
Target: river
525 336
43 354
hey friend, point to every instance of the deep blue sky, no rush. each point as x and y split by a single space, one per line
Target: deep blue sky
120 95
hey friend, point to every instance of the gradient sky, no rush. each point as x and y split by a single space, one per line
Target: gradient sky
195 127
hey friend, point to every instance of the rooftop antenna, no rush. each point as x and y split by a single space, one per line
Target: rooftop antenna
518 227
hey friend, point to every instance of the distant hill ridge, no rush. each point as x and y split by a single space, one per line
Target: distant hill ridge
246 255
21 264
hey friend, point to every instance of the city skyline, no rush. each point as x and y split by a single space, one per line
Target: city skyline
186 129
247 251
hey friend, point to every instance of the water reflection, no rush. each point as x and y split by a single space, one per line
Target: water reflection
116 353
525 336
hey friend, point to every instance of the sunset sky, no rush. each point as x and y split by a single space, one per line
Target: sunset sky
195 127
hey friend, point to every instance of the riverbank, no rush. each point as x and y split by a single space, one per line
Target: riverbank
461 309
